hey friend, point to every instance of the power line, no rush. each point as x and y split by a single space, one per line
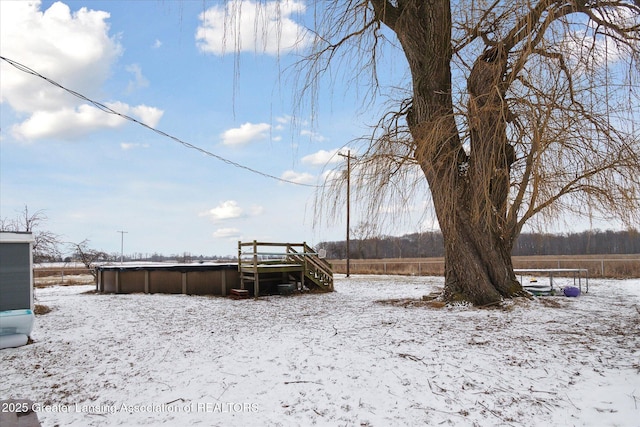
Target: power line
110 110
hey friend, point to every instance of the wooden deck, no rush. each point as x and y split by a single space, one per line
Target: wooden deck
264 266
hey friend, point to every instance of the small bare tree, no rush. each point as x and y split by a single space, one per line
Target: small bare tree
46 243
88 257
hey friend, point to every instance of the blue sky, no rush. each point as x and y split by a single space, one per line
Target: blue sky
161 63
167 64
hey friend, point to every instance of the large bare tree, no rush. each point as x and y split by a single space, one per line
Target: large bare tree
512 109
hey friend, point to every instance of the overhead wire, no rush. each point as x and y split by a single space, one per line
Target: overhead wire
110 110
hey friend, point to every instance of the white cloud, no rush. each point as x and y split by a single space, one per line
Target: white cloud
131 145
257 210
313 136
139 81
324 157
64 122
620 17
150 116
80 121
71 48
298 177
226 233
68 48
281 123
248 26
333 176
157 44
246 133
284 119
594 45
228 209
583 52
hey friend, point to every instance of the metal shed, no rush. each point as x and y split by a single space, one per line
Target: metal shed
16 271
16 289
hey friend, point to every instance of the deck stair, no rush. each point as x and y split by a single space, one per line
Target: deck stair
263 267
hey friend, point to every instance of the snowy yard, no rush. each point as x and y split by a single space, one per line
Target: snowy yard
331 359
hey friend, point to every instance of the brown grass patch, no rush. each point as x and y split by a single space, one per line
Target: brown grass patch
436 304
40 309
67 280
412 302
550 302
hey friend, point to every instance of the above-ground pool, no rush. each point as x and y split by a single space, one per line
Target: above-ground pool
193 279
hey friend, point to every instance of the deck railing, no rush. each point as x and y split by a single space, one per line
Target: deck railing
317 271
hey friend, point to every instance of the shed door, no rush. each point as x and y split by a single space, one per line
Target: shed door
15 276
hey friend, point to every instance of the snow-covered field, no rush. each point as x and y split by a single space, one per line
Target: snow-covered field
331 359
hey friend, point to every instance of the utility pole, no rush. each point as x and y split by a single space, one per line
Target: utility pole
348 157
122 233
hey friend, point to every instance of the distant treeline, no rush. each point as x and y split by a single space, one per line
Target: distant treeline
185 257
430 244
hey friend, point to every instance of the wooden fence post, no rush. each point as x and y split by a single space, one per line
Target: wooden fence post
256 278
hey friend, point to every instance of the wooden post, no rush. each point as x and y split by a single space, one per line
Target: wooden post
146 281
240 275
304 260
184 282
256 278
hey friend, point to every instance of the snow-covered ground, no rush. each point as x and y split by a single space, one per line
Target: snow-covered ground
344 358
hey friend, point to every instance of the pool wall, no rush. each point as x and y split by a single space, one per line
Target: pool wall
191 279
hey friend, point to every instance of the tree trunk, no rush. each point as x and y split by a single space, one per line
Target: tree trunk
469 191
478 266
